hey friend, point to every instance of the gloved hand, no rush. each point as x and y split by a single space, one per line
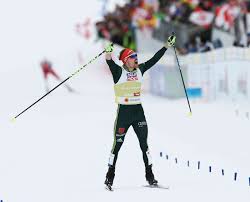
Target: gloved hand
109 48
171 41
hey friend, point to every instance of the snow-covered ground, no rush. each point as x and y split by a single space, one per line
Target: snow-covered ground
59 149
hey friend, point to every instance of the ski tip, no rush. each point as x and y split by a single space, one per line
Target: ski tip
13 120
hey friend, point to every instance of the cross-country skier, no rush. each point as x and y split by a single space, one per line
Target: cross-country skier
127 85
48 70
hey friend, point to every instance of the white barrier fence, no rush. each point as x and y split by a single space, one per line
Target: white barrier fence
220 74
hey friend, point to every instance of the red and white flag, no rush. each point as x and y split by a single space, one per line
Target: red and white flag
225 16
201 18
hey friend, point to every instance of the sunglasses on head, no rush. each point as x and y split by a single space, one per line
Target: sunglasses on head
133 56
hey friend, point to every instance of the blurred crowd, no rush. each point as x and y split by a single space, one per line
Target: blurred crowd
231 16
119 26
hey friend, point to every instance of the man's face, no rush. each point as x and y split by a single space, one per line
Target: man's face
132 61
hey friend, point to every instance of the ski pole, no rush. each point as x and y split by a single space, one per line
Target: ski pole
76 72
190 111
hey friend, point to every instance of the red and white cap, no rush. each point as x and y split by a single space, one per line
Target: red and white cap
126 54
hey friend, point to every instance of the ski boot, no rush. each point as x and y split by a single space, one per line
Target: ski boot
150 176
110 178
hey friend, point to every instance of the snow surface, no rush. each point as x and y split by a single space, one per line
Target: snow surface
58 150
